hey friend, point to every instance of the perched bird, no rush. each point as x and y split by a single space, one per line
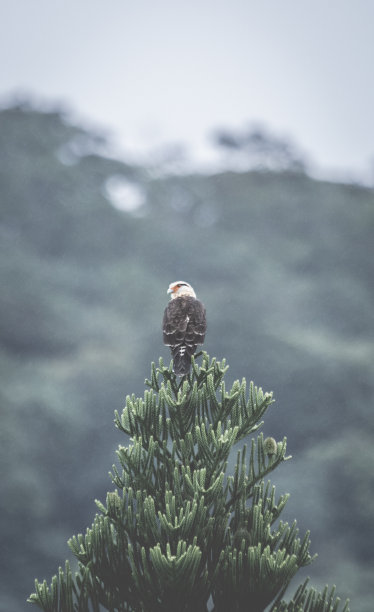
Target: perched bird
184 325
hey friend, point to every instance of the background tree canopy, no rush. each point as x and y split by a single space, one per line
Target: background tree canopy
284 265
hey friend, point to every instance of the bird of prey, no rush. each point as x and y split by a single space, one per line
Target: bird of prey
184 325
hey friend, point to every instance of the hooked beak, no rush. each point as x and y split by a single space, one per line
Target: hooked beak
169 290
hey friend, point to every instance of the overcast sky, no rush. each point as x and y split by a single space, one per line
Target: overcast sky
172 71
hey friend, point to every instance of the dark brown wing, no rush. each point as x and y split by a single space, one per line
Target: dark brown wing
184 321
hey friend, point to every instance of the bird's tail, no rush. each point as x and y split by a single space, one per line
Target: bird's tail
181 361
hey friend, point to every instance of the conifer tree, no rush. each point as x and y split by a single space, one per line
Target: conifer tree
178 534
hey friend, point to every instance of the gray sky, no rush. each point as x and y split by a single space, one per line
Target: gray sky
170 71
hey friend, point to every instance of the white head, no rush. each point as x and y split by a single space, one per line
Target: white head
180 288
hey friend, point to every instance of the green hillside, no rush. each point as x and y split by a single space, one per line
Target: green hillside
284 265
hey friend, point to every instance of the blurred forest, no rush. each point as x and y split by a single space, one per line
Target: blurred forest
284 265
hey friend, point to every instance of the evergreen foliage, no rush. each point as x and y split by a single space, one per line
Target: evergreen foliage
178 534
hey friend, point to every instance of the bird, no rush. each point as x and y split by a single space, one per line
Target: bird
184 325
